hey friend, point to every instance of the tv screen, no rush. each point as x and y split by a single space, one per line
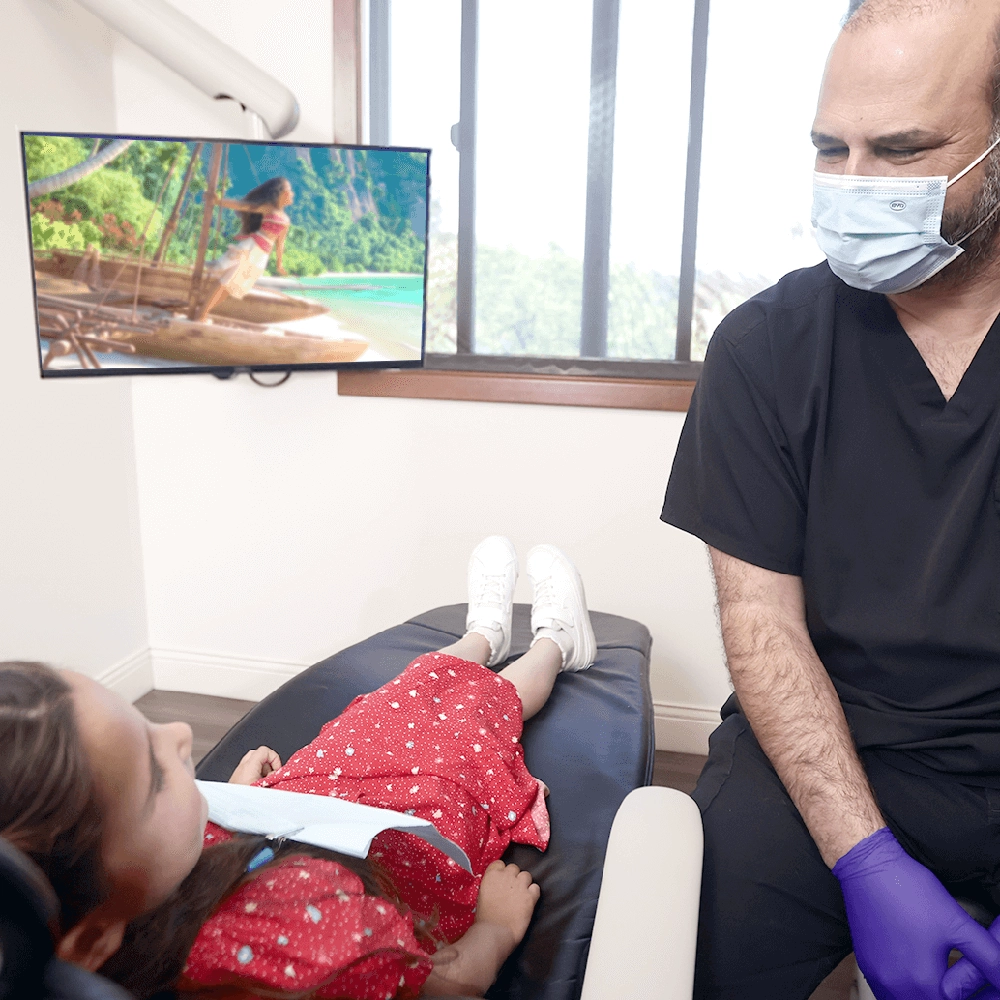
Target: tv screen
183 255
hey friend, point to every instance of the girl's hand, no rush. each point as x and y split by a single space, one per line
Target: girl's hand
281 270
507 898
256 764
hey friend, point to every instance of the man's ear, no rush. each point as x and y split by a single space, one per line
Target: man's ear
93 940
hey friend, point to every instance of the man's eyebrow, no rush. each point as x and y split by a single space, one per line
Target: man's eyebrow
911 138
907 139
155 775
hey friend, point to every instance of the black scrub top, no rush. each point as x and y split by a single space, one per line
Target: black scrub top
818 444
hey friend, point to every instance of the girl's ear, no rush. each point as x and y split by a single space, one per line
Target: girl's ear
92 941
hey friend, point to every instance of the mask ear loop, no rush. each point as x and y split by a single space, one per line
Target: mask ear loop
973 164
959 176
989 218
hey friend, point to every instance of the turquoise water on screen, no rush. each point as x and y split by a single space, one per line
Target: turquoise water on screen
405 289
386 309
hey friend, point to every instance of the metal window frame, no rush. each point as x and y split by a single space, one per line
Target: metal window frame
600 168
692 184
465 134
600 172
379 70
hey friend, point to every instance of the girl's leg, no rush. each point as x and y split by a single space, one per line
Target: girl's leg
217 296
472 647
532 674
563 636
560 622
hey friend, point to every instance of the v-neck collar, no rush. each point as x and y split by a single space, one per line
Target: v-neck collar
980 383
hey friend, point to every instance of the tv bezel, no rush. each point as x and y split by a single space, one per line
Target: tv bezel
225 371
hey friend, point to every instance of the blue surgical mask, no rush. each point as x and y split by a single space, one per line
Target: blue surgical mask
883 234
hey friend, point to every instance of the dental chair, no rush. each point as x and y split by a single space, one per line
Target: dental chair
620 880
593 745
641 949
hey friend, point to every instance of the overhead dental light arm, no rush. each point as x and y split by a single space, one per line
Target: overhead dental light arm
197 55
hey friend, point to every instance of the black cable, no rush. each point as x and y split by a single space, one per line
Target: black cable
270 385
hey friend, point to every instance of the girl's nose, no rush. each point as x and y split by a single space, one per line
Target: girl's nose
181 733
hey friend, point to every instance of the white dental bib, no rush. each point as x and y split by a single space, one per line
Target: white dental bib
320 820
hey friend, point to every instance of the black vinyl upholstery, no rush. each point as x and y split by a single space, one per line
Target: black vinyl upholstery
28 970
591 744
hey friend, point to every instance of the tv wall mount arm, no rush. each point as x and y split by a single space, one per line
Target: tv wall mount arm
197 55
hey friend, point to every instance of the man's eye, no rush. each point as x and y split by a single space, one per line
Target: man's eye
832 153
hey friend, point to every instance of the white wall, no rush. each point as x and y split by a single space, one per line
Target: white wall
279 525
71 580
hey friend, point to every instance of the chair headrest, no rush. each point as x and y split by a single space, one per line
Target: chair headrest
27 906
28 909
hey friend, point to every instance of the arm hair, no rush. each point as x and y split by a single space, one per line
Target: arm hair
792 705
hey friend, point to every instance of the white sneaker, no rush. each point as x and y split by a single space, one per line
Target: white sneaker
492 575
559 606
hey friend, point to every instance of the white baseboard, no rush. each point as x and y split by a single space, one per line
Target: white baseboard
131 677
684 728
223 676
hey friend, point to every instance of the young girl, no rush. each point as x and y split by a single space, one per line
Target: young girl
105 803
265 226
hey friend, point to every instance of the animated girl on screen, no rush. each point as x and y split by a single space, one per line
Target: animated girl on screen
265 226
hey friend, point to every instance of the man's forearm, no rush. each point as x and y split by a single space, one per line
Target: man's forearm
796 715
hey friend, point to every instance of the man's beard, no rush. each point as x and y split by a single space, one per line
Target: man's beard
982 220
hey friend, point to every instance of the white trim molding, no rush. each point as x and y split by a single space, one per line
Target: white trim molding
684 728
131 677
223 676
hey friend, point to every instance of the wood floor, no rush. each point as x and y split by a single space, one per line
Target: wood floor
210 718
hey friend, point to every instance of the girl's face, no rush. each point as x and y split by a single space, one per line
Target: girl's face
154 816
286 197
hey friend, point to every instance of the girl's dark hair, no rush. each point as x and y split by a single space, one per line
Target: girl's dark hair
157 944
264 194
47 801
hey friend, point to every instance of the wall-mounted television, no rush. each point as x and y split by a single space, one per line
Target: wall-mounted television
159 255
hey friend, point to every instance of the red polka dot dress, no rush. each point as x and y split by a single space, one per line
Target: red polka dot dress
442 742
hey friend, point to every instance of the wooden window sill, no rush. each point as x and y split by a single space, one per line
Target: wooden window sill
504 387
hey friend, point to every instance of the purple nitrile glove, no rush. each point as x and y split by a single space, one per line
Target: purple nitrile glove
904 923
963 978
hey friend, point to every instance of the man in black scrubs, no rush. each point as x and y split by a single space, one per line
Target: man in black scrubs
841 459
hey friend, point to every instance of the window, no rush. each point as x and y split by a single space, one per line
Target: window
608 179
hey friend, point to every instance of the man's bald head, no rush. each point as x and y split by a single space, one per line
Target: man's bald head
983 15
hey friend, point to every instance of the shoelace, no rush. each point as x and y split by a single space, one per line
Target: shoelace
548 603
491 591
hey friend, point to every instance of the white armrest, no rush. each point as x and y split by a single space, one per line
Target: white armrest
646 927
